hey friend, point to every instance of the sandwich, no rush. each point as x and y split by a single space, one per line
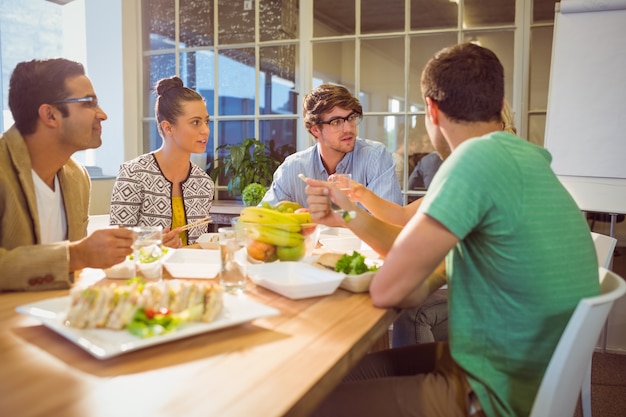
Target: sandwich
114 306
328 260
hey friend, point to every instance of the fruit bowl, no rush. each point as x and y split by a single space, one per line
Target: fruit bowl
270 242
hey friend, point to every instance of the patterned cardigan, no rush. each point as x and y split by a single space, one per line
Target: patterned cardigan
143 196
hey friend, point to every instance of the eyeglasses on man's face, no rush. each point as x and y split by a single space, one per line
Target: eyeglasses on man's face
89 101
337 123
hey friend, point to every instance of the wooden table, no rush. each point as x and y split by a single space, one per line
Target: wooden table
277 366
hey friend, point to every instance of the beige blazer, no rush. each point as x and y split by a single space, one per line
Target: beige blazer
26 264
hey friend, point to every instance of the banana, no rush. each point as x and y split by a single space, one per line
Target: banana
265 216
302 217
286 206
274 236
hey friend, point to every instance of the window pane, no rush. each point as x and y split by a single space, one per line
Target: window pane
279 137
277 84
422 49
536 128
540 58
501 43
197 72
151 138
233 132
543 10
159 66
196 23
236 86
158 18
278 19
386 79
334 62
372 12
383 129
332 17
434 14
488 12
235 22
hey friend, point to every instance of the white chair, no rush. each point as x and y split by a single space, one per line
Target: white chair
605 246
562 382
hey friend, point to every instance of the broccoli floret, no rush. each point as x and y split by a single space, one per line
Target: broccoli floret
253 194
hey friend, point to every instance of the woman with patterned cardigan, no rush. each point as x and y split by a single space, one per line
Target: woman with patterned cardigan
164 188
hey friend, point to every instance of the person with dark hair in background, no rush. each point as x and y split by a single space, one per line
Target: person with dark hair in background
164 188
44 193
519 257
331 115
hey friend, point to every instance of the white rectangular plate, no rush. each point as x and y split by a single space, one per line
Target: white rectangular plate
193 263
104 343
295 279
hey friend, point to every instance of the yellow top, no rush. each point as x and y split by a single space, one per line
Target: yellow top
178 217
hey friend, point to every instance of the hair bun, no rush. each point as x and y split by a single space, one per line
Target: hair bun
166 84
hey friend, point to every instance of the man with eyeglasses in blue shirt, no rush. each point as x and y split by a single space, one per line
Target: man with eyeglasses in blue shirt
331 115
44 193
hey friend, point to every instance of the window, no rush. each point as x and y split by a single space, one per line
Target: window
38 29
252 61
247 76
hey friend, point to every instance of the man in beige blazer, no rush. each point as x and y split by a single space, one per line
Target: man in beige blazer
44 194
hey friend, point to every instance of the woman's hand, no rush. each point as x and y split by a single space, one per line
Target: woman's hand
171 238
357 193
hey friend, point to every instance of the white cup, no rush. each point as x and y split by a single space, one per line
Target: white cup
148 252
233 270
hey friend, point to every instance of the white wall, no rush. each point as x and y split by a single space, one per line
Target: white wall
113 60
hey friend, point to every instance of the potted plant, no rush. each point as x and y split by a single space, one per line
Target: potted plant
248 162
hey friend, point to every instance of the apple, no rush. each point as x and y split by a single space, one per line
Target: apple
291 253
261 251
301 210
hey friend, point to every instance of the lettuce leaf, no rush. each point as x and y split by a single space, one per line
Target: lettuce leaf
353 264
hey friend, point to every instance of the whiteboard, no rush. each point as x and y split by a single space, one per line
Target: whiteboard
586 117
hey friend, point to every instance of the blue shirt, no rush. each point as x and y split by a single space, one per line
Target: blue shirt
370 163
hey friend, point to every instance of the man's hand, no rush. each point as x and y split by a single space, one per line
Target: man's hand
102 249
319 196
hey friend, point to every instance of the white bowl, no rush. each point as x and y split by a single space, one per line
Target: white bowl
358 283
341 244
123 270
193 263
295 279
209 241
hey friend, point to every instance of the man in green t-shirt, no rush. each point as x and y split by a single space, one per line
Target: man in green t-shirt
518 257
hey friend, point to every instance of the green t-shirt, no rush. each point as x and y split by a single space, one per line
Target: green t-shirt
524 260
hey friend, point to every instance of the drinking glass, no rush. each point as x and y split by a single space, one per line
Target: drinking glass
148 252
343 182
233 270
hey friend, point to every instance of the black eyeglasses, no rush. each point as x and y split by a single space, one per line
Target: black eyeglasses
336 123
93 101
